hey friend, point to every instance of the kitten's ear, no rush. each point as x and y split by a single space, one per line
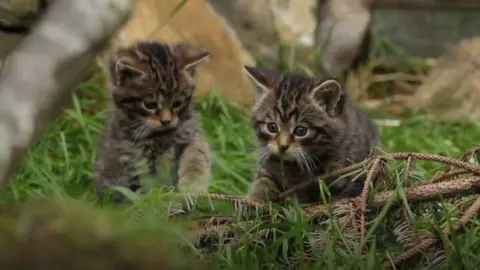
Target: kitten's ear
263 79
124 68
190 56
327 94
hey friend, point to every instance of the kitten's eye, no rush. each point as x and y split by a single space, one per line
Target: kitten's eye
176 104
272 128
300 131
150 105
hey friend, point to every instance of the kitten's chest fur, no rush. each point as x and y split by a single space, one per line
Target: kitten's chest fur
154 154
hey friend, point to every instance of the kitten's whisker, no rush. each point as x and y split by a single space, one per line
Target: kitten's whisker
134 124
263 155
298 158
261 159
305 162
139 132
263 106
311 162
144 132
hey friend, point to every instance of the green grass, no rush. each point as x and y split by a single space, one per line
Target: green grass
60 164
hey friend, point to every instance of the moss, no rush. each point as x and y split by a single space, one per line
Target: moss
59 234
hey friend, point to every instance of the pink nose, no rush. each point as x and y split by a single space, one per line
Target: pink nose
283 147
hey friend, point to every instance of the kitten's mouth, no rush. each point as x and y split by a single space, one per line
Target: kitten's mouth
159 126
285 154
162 121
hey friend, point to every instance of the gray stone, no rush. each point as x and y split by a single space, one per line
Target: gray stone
424 33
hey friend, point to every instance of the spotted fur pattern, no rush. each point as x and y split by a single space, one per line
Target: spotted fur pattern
313 127
152 120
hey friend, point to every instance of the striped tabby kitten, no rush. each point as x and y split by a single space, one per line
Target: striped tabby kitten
314 126
153 119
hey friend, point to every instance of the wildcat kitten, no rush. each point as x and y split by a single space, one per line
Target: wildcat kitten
153 119
314 126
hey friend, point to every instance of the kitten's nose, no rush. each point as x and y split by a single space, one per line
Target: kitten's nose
283 147
165 122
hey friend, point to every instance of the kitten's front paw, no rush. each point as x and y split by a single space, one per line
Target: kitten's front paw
192 186
256 197
262 191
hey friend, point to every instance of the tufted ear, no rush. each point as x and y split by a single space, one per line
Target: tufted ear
124 68
327 94
263 79
189 56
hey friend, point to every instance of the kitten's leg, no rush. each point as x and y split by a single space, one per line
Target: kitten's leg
115 166
348 188
263 189
354 188
194 166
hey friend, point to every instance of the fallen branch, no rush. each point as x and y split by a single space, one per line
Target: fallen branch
305 184
421 193
400 155
219 197
437 158
40 74
372 173
423 245
449 175
352 211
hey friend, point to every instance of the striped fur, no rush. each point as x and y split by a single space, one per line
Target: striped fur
152 126
313 126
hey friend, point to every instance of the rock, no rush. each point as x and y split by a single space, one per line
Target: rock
263 24
11 11
451 91
197 23
294 20
423 33
22 12
253 23
340 33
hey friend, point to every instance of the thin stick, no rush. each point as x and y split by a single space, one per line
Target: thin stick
449 175
305 184
372 173
416 194
221 197
399 155
437 158
422 246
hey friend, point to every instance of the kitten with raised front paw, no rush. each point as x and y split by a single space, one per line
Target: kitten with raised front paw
311 125
152 120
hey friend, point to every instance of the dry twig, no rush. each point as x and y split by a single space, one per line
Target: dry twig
423 245
372 173
449 175
421 193
221 197
304 185
445 187
400 155
464 157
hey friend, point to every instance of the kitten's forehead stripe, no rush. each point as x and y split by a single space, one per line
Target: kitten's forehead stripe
290 92
163 66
